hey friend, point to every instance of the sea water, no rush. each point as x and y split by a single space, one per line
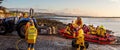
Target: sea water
109 23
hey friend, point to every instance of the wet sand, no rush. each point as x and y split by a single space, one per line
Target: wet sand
48 42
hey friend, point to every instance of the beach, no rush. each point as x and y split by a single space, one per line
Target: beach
57 42
50 20
47 42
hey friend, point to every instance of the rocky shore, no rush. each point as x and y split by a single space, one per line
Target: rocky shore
49 22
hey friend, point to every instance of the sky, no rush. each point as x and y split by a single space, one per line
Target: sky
109 8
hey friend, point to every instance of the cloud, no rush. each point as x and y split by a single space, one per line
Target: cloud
111 0
75 11
115 0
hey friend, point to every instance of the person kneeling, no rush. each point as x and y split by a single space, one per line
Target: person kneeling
69 29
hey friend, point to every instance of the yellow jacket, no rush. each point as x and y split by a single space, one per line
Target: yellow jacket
31 33
80 38
92 30
80 33
67 30
98 31
103 31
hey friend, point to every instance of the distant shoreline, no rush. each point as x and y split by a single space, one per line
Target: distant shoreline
81 16
100 17
89 17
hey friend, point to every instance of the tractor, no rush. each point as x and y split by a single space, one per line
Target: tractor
10 24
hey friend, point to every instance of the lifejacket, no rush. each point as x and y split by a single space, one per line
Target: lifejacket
70 29
103 32
31 34
67 30
92 30
80 33
80 41
80 38
98 31
101 26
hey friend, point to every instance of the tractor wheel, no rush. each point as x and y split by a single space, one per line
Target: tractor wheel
2 30
21 29
73 43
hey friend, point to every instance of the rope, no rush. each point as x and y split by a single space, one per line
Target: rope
17 43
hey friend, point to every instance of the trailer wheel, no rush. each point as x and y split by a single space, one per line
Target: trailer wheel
86 45
81 47
2 30
73 44
77 45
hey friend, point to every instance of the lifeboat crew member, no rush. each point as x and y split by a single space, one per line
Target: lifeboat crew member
31 34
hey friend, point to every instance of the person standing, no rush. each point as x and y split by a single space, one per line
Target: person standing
31 34
78 25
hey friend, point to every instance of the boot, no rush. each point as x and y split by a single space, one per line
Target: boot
28 49
32 49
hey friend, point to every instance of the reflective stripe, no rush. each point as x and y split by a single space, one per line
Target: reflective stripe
32 32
